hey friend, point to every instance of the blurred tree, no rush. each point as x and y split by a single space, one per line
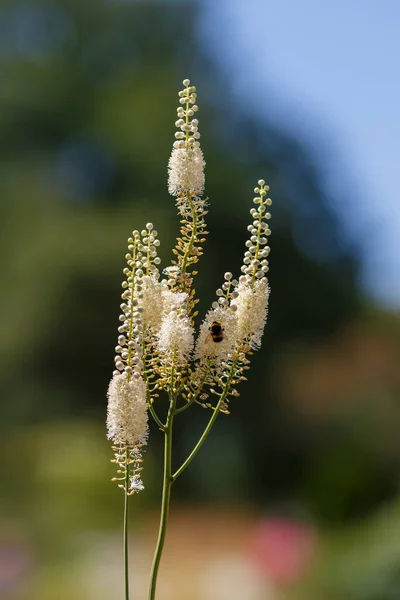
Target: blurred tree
87 105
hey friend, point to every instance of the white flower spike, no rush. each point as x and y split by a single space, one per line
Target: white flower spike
127 411
186 164
158 364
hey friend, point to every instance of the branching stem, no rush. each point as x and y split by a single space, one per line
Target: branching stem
126 507
211 422
156 417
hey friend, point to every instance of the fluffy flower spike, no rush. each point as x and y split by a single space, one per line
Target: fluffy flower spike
186 164
127 411
176 338
127 392
250 300
240 311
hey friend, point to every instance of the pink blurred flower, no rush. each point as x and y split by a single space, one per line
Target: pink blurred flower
15 564
282 548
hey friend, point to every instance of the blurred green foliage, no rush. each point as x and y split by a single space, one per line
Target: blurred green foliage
87 110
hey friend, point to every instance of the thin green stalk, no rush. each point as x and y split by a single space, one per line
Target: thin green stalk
126 555
209 426
155 416
185 406
200 442
166 493
192 236
194 396
167 483
145 377
168 478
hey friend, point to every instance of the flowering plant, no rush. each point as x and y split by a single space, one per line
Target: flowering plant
158 354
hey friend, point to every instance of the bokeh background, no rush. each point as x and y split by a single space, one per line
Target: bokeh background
296 494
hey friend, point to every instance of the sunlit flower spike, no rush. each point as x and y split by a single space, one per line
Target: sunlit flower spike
161 361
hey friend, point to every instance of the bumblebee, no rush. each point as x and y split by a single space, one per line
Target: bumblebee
216 332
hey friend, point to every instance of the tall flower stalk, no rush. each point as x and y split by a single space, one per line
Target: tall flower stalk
159 355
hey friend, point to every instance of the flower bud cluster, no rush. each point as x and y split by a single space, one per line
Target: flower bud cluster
129 467
255 263
188 134
141 278
128 350
147 251
226 293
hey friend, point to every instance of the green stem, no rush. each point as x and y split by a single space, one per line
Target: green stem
200 442
193 235
194 395
166 493
155 416
185 406
145 377
126 555
209 425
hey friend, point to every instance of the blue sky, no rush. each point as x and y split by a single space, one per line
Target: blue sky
331 70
